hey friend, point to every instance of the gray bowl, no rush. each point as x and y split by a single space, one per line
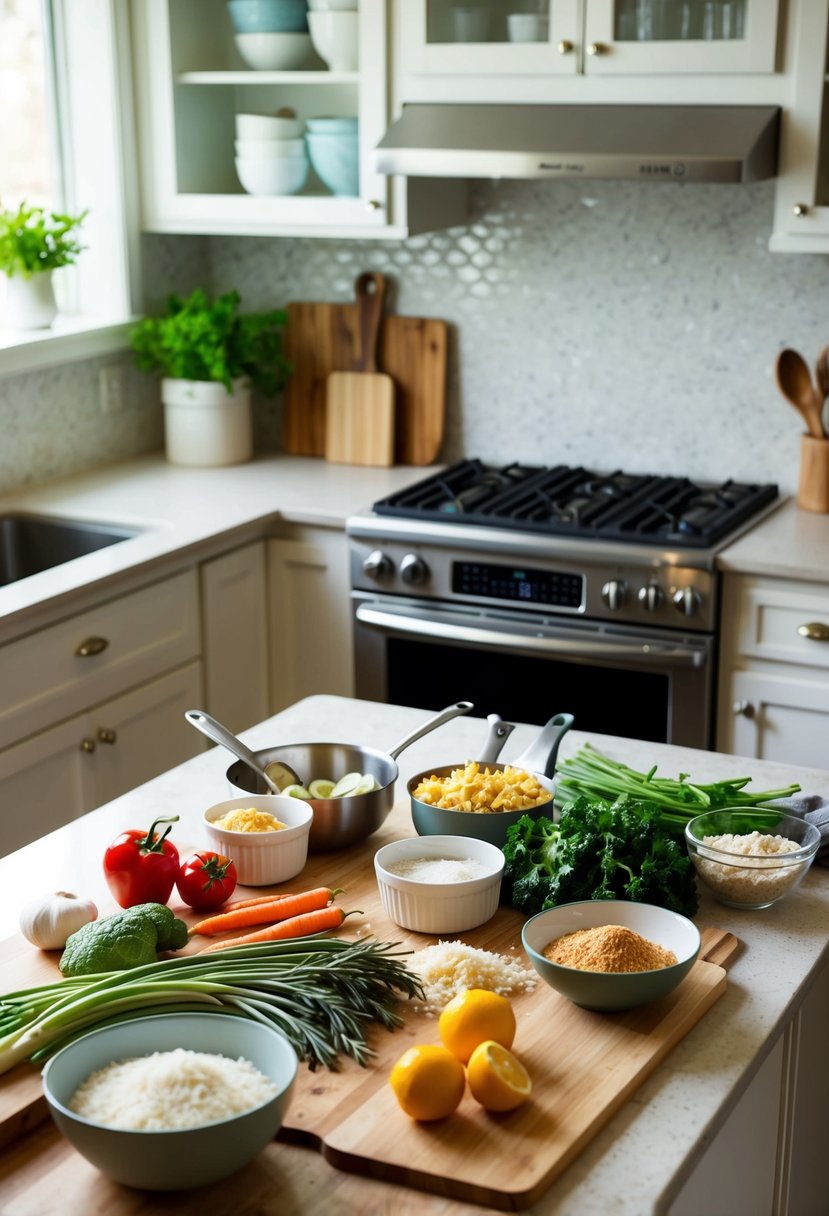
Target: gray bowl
172 1160
443 821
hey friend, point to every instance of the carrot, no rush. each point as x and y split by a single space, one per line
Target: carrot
278 908
318 921
250 903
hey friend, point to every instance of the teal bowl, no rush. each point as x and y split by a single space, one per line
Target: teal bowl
331 126
605 990
269 16
335 158
180 1159
492 827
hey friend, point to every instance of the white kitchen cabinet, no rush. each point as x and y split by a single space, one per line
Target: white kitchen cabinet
311 648
234 617
190 83
554 38
67 770
774 670
801 208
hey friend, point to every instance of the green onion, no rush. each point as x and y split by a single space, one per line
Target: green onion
322 993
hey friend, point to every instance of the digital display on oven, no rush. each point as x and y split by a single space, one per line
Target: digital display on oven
517 583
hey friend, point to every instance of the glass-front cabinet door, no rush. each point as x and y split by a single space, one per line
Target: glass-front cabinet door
492 37
670 36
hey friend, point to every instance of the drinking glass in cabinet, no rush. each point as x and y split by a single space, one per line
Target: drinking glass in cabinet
679 20
476 21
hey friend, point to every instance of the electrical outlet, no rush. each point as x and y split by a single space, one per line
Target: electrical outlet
113 389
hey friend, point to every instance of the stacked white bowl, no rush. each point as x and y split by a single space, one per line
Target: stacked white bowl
334 27
271 157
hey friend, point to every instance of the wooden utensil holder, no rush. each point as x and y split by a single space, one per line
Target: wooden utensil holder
813 486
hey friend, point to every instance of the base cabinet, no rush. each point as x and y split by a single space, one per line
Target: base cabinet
310 620
235 637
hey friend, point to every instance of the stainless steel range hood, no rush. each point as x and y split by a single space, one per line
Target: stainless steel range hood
644 143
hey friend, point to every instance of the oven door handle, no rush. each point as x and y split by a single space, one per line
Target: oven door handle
645 653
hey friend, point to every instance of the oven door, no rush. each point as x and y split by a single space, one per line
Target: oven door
654 684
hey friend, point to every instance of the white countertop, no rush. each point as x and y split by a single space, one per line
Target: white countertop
636 1164
790 543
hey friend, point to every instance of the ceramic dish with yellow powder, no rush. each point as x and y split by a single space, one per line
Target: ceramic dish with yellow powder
269 842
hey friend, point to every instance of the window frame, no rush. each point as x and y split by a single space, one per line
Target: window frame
94 103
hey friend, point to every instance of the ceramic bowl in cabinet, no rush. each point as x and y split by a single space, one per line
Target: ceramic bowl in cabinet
263 858
612 990
272 175
336 160
180 1159
269 149
268 127
269 16
275 52
336 6
332 126
335 38
439 907
743 879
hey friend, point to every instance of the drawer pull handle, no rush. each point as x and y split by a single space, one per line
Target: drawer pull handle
743 709
105 735
815 631
87 745
90 646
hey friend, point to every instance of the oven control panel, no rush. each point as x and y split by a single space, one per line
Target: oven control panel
558 589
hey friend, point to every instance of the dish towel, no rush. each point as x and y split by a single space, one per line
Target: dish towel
815 810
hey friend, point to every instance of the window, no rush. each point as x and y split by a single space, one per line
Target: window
66 142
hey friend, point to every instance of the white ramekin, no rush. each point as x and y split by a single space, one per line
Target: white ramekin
438 907
263 859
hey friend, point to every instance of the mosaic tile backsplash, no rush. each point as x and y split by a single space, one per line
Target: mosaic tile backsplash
607 323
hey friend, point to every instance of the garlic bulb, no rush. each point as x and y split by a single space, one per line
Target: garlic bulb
48 921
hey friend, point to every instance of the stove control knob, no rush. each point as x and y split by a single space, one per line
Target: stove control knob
613 594
687 601
377 565
651 597
413 569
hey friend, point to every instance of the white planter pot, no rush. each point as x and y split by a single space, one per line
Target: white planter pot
204 424
30 303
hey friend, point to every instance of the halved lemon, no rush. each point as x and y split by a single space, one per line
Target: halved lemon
497 1078
428 1082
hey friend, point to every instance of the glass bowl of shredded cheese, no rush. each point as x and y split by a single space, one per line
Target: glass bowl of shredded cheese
439 884
174 1101
750 858
266 835
611 954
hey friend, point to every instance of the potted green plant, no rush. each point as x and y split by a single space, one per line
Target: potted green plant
33 243
210 356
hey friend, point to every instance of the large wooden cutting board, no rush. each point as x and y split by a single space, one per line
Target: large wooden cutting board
324 338
584 1068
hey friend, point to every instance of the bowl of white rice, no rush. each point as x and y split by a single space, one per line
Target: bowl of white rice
750 858
172 1101
439 884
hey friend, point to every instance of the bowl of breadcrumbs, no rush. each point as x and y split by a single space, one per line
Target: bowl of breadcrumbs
611 954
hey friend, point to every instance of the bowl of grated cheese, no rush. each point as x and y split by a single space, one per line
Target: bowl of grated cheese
266 835
173 1101
751 857
439 884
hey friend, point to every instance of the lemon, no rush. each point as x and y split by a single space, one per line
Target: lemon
428 1082
497 1078
473 1016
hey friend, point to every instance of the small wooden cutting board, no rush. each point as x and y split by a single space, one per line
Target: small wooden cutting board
359 405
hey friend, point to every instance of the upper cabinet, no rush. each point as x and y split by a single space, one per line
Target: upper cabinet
191 82
565 38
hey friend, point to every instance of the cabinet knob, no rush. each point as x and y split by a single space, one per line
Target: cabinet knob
743 709
565 47
374 204
105 735
596 48
87 745
815 631
800 209
91 646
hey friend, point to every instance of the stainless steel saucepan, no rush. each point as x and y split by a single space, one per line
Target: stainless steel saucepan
340 822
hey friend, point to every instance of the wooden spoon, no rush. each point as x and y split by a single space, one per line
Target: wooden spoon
795 383
822 372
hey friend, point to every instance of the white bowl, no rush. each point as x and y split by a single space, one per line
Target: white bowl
334 35
439 907
338 6
268 126
273 175
269 149
263 859
274 52
172 1160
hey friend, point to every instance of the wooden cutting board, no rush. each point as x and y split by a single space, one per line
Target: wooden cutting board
584 1068
324 338
359 404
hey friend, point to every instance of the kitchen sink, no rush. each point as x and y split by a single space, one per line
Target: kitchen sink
32 543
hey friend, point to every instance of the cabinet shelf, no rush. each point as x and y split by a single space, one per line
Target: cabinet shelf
243 77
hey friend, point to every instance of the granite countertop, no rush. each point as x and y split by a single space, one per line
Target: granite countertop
790 543
637 1163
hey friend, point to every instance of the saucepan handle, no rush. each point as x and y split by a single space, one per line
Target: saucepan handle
540 756
499 732
445 715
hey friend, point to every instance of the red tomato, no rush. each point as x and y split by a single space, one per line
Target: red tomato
206 880
141 867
